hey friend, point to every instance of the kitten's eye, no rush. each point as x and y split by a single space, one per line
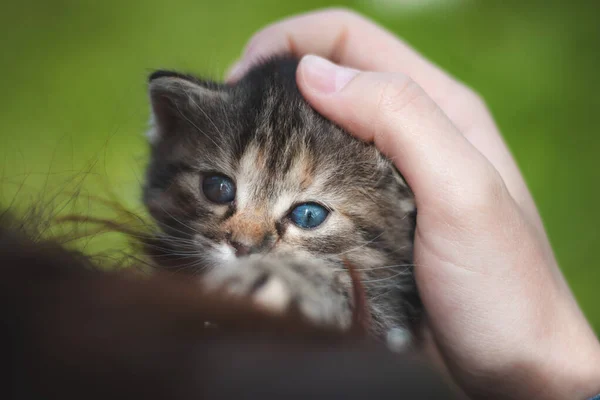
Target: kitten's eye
219 189
309 215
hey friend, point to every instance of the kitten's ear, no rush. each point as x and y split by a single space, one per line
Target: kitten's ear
174 97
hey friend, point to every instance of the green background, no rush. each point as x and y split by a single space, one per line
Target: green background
73 108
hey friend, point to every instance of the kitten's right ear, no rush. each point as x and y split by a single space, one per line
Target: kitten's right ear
177 97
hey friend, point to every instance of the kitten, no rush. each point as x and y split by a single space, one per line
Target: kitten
265 198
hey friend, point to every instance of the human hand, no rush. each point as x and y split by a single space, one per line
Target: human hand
501 314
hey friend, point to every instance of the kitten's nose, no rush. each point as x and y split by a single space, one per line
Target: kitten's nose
241 249
248 233
246 247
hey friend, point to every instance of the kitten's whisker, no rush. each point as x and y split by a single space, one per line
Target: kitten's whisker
174 254
165 226
184 267
201 264
157 240
179 222
172 239
359 246
167 246
406 271
164 236
377 268
382 294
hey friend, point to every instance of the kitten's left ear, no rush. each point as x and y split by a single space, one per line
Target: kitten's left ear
177 97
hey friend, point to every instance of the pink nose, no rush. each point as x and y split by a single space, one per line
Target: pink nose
241 249
246 247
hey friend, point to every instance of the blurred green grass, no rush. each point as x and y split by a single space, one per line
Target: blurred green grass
73 106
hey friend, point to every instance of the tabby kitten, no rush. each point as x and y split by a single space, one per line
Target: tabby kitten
265 198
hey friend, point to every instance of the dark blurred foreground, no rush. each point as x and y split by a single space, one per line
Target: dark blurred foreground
70 330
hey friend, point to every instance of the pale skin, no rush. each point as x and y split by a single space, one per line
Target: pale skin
502 319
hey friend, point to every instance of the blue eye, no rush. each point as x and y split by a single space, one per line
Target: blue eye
219 189
309 215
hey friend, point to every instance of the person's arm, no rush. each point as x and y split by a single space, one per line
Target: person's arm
502 316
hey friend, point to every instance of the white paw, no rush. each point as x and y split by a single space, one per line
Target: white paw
274 295
276 285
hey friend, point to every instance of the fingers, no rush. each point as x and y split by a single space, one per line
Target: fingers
351 40
481 268
347 39
442 167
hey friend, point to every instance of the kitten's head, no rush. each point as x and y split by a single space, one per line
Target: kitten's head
252 168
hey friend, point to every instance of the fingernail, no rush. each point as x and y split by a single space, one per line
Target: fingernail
324 76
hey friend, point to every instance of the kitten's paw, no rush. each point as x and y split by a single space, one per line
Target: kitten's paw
278 284
262 286
274 295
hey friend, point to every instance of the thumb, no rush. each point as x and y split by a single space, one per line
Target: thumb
389 109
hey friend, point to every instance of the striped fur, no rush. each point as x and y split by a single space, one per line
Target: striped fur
280 152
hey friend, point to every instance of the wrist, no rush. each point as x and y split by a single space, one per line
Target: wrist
581 381
572 367
564 364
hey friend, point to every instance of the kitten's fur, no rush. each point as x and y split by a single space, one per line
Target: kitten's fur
280 152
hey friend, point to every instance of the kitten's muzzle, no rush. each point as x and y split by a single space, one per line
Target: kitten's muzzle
242 250
245 249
